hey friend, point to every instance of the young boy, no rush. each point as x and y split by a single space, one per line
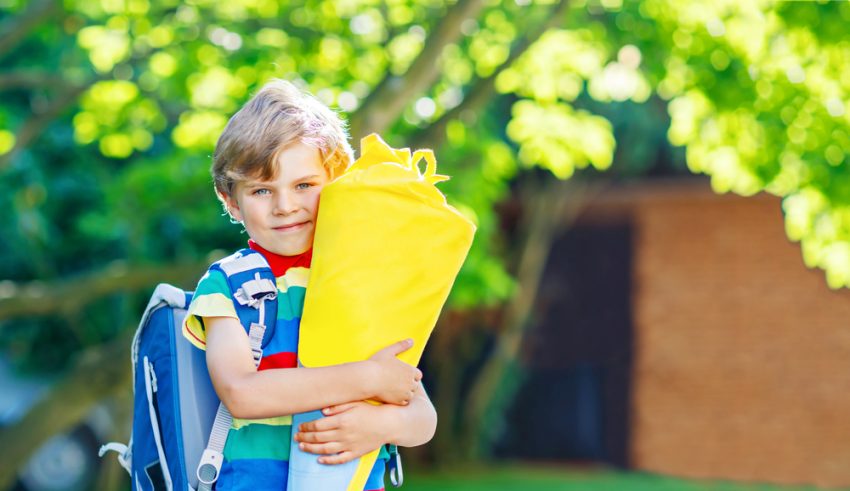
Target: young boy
269 166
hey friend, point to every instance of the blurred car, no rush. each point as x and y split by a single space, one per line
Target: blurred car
66 462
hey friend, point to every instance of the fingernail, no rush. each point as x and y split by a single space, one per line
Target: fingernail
326 410
301 446
409 341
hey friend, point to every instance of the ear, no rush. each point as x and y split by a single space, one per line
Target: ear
232 206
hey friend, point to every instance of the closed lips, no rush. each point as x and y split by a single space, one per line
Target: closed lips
293 226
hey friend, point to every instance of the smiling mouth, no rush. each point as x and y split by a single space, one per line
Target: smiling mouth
290 228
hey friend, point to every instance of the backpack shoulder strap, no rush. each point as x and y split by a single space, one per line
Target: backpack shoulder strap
254 290
251 281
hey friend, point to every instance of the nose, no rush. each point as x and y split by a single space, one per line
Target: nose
286 203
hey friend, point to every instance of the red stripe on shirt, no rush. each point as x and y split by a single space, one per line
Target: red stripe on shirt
202 341
278 360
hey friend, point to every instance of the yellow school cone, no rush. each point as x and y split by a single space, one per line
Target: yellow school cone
386 252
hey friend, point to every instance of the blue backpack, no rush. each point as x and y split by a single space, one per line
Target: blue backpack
179 424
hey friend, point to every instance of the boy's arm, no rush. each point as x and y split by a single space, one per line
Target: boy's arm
252 394
351 430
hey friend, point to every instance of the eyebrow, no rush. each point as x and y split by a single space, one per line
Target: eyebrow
256 183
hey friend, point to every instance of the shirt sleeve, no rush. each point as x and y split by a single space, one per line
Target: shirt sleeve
212 299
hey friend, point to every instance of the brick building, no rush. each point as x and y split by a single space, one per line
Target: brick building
679 332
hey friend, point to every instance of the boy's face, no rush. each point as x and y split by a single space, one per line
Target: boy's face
280 214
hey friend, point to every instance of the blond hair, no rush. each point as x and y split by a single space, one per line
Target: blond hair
278 116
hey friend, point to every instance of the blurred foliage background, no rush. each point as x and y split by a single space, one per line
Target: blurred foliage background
110 109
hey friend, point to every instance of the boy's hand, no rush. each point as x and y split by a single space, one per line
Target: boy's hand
396 380
347 431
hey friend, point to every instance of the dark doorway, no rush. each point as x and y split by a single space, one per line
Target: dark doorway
573 404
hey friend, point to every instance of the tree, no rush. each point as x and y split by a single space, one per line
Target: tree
110 111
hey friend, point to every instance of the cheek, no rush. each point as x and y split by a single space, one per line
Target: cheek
313 203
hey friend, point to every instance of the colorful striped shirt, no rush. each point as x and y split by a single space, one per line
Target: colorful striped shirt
256 455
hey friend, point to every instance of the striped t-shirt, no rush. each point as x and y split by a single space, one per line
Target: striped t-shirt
256 455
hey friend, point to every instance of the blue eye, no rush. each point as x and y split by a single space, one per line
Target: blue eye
261 191
304 185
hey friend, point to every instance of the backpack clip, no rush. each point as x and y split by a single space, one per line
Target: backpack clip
209 467
394 465
125 454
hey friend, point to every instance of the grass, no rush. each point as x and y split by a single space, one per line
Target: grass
515 477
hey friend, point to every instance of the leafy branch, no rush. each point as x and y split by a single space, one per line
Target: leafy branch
387 101
483 89
35 125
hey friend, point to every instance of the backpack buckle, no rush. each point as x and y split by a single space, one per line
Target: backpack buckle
254 291
255 337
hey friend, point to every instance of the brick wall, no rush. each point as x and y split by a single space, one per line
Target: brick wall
742 354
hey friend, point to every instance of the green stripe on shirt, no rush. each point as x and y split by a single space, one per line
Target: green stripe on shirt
290 305
213 281
258 441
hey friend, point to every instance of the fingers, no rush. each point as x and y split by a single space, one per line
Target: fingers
409 397
339 408
400 398
316 436
397 348
321 448
321 424
339 458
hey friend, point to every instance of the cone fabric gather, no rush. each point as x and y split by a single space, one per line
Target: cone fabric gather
386 252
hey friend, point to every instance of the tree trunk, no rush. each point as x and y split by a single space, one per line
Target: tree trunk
15 29
67 297
549 210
